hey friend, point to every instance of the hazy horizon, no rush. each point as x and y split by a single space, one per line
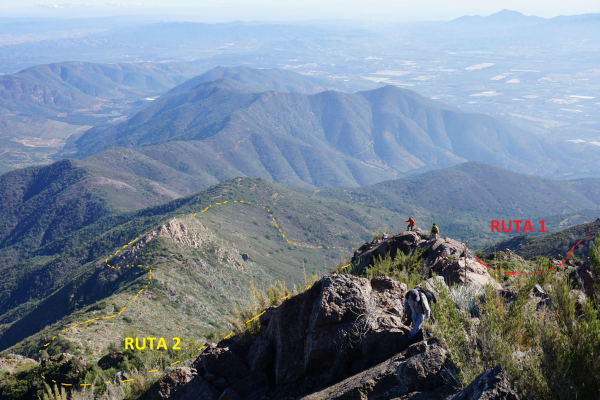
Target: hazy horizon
268 10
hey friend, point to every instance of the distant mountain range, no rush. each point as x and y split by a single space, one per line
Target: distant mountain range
507 23
325 139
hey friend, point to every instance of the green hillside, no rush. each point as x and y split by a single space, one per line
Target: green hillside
69 274
464 199
552 244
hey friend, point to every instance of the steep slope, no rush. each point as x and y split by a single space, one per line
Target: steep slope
40 205
69 273
326 139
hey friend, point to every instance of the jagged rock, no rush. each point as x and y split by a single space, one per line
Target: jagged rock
314 333
539 292
433 283
376 380
181 384
583 278
490 385
388 294
426 371
222 362
252 387
342 300
368 252
264 319
445 257
110 360
509 293
260 354
378 346
245 257
381 382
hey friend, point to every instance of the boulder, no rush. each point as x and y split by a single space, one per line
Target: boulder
260 354
110 360
181 384
222 362
381 381
341 300
366 384
426 371
381 345
388 294
320 333
371 251
509 293
230 394
582 278
490 385
252 387
265 317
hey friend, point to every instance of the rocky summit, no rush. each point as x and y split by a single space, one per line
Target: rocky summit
343 338
444 257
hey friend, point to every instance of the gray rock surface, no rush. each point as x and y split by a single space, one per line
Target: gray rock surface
490 385
181 384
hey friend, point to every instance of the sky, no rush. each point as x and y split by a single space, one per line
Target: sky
290 10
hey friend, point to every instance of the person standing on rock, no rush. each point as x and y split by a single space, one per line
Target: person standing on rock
417 305
435 231
411 224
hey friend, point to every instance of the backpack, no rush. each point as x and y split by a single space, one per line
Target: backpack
427 293
430 297
436 230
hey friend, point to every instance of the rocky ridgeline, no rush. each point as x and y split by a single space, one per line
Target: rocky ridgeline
344 338
445 257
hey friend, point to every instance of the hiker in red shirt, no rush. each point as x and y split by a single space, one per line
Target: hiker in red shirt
411 224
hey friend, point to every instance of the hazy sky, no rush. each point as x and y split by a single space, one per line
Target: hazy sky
398 10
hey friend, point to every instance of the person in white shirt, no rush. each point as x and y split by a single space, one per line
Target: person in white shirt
416 304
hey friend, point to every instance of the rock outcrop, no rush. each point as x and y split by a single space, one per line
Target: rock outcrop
491 385
583 279
423 369
183 384
339 327
445 257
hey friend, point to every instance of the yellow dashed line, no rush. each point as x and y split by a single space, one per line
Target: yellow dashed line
228 336
175 362
252 319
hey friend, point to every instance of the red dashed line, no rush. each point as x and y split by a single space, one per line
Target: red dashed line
540 271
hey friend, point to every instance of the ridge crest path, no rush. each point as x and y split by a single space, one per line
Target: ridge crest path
323 247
